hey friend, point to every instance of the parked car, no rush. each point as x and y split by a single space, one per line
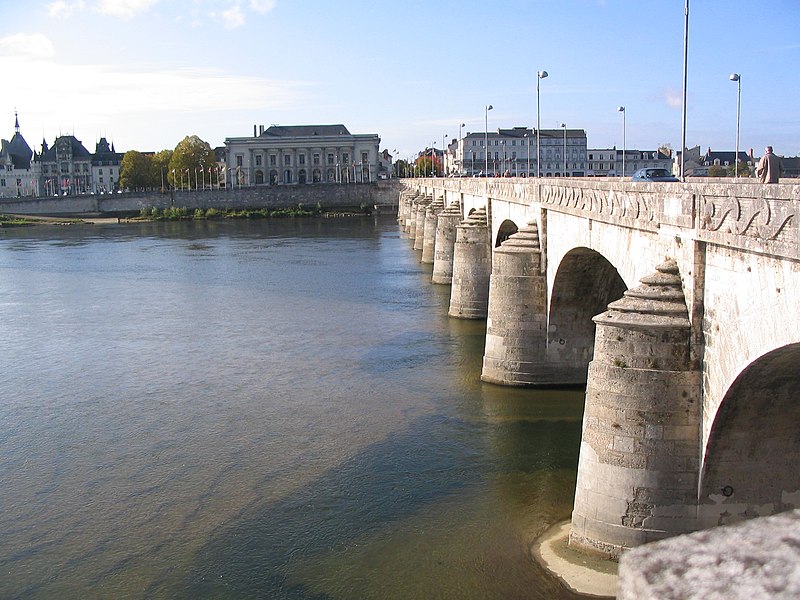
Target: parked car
653 175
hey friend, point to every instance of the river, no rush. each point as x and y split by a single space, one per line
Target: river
261 409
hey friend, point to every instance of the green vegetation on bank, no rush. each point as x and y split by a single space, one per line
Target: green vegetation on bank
184 214
13 221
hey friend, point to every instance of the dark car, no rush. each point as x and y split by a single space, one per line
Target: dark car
653 175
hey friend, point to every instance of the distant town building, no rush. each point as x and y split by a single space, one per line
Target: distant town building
513 152
602 162
643 159
697 164
18 175
384 165
66 167
301 154
693 163
791 166
105 168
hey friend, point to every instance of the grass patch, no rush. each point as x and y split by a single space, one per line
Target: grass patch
183 214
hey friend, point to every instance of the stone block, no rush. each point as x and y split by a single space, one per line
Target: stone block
752 560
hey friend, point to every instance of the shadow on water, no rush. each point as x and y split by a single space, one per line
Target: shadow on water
372 494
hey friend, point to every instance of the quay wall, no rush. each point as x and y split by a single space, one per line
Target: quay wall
329 196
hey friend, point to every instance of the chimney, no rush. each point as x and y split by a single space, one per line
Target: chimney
254 131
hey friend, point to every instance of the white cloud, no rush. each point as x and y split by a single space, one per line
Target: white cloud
124 9
262 6
107 94
62 10
233 17
31 45
673 97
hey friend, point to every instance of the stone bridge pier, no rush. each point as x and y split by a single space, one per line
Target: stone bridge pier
674 304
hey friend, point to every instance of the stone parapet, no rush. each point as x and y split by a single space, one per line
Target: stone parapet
763 218
753 560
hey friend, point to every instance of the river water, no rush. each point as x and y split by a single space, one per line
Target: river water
268 409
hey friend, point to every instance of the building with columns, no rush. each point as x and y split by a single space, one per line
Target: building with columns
302 154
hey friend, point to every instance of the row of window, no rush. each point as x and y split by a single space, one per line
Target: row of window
528 141
513 156
301 159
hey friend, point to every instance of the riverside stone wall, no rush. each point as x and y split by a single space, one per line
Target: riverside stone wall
330 197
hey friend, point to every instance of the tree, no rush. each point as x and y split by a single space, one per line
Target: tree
717 171
160 169
402 168
744 170
190 155
135 171
428 165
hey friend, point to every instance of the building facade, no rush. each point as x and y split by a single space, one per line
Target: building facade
18 172
513 152
302 154
607 162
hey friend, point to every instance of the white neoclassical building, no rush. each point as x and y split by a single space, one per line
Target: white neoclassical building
302 154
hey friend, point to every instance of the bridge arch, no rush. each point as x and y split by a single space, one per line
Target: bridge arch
506 230
584 285
750 464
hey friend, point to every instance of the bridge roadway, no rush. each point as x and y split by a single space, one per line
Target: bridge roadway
676 304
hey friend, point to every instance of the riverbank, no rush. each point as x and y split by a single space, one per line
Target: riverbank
7 220
590 576
28 220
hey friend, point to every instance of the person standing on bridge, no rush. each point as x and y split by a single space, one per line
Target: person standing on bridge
769 167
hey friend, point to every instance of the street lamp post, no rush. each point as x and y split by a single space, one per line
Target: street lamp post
685 79
486 138
444 154
564 126
624 141
528 144
738 79
460 151
539 76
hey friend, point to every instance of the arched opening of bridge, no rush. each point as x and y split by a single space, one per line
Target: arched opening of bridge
584 285
750 467
507 229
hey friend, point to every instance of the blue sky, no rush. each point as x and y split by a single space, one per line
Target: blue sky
146 73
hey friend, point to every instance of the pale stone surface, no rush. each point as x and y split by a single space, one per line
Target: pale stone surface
759 559
687 432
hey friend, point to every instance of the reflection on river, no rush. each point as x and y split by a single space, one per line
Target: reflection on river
272 409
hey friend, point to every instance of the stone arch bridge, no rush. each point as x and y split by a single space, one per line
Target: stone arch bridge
677 305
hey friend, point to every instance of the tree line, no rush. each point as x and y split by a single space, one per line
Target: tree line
167 168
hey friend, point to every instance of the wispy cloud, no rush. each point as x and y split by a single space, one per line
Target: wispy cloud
26 45
62 10
97 94
236 14
231 13
672 97
124 9
233 17
262 6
